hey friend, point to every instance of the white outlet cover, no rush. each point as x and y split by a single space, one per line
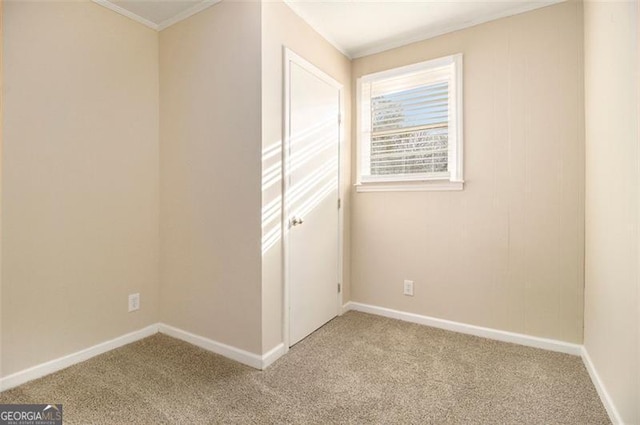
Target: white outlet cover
134 302
408 288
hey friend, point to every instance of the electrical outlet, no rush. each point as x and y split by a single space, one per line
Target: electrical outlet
408 287
134 302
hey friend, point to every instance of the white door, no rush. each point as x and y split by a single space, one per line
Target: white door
311 197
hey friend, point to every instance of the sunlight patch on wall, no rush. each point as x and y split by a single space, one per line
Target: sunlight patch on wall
271 196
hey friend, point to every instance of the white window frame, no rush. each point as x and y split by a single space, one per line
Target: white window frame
455 180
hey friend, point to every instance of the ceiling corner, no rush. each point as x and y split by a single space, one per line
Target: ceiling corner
292 5
124 12
205 4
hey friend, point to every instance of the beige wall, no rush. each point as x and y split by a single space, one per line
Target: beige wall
81 228
1 144
84 184
507 252
210 114
612 213
282 27
80 179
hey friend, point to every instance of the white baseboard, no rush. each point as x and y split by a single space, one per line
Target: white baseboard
64 362
245 357
530 341
233 353
614 415
250 359
256 361
505 336
262 362
273 355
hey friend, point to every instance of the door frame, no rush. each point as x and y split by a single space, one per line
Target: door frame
288 57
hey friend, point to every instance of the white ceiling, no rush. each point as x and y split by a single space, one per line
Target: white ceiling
359 28
355 27
156 11
157 14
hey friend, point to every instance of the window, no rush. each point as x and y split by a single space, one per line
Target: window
410 127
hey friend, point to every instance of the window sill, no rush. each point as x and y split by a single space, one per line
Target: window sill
411 186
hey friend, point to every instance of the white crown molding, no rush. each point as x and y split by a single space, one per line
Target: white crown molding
64 362
187 13
480 19
164 24
357 53
124 12
423 35
496 334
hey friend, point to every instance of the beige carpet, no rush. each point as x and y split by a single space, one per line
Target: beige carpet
356 369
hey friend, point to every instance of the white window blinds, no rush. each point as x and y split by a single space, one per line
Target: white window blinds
406 123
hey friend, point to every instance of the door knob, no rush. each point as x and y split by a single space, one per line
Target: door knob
296 220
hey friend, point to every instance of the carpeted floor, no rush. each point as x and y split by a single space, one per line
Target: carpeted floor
356 369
